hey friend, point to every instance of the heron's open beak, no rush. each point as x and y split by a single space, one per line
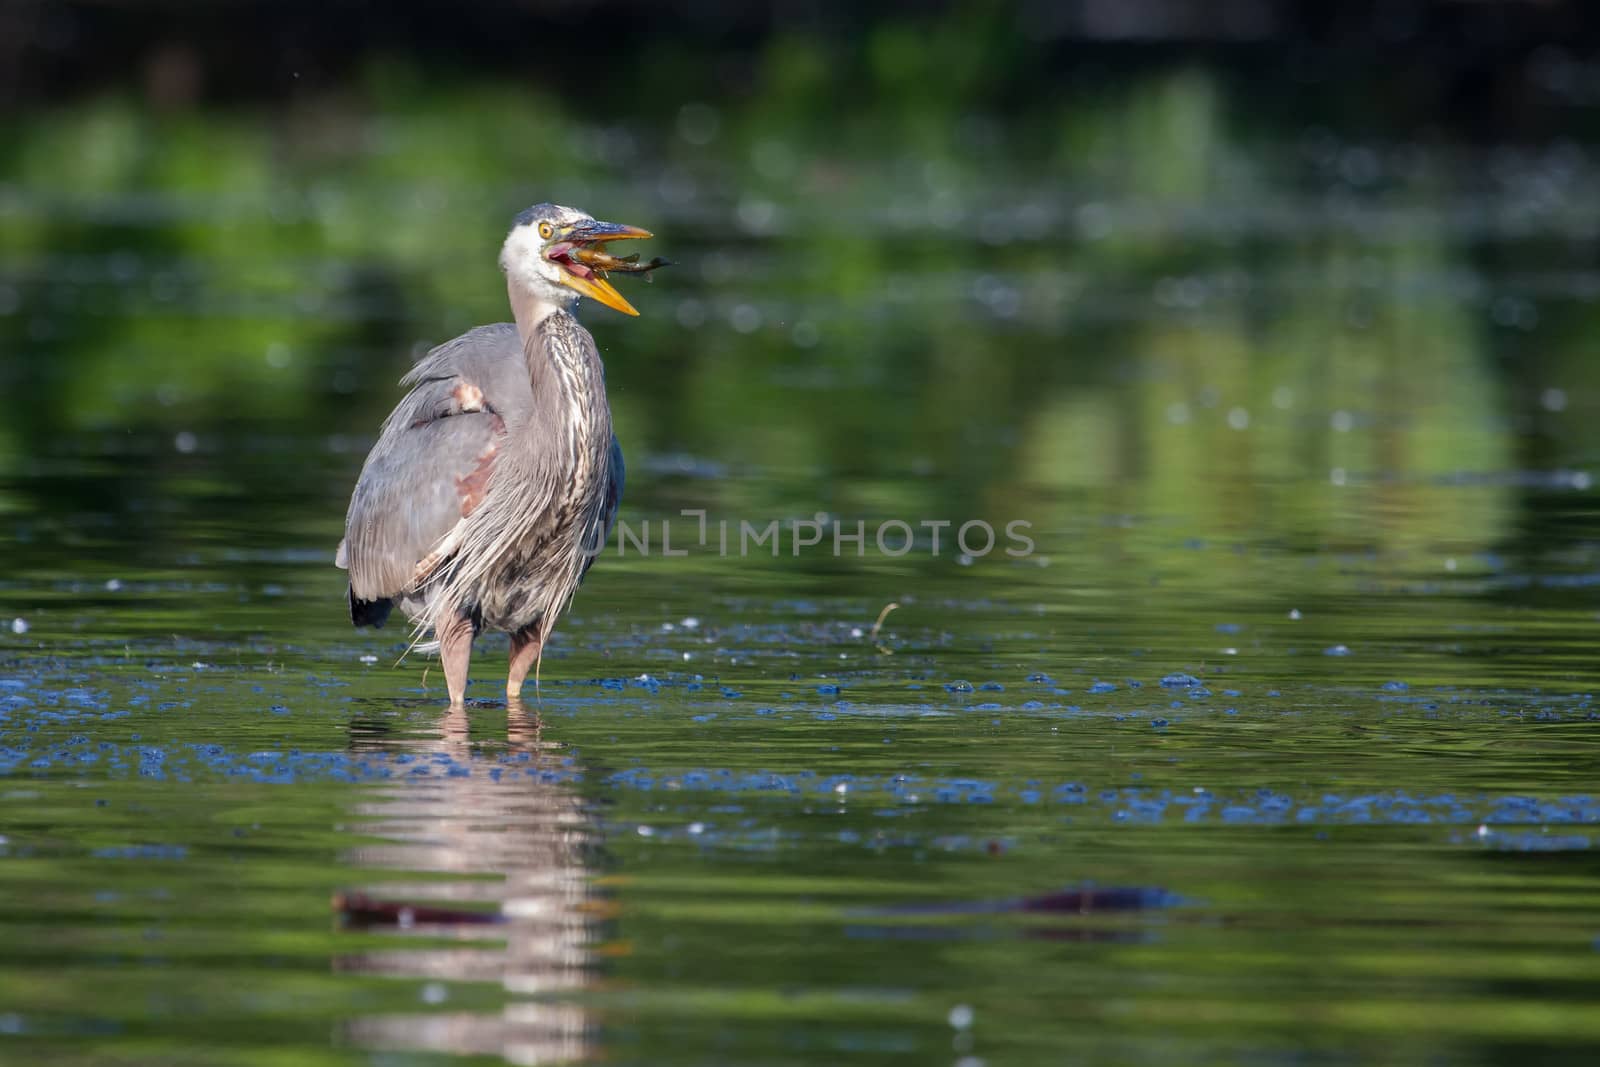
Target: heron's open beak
577 276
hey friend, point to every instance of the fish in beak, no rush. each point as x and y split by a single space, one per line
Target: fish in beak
571 246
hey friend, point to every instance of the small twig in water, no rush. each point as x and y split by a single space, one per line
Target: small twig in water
873 636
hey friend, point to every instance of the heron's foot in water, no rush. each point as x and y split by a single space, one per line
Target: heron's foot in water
527 651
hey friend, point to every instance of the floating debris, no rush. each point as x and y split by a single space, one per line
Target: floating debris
359 909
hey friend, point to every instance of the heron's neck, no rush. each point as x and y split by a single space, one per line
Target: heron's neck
570 415
530 309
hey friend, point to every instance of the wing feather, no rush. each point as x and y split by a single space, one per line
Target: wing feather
435 450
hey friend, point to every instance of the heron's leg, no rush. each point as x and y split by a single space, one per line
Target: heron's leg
526 651
455 650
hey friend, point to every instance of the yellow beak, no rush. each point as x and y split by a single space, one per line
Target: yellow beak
597 288
593 286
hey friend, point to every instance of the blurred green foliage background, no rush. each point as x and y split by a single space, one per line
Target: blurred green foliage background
971 258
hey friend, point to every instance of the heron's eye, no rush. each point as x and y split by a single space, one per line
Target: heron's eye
546 230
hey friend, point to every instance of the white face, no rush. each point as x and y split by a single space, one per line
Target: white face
549 256
523 255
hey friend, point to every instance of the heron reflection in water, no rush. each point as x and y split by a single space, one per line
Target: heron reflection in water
496 480
528 827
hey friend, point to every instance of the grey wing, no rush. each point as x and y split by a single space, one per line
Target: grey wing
431 464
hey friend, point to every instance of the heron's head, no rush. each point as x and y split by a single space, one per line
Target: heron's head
538 254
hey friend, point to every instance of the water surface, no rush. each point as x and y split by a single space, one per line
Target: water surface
1280 746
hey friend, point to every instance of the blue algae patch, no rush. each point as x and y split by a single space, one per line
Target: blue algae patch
1526 841
1513 822
141 852
208 761
828 689
1103 687
1262 806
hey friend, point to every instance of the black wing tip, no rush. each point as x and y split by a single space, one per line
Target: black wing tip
369 612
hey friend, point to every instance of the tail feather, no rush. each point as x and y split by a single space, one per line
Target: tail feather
369 612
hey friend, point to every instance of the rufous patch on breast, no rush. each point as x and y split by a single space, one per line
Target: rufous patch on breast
472 487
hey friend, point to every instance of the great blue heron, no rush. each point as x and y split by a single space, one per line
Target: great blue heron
495 482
